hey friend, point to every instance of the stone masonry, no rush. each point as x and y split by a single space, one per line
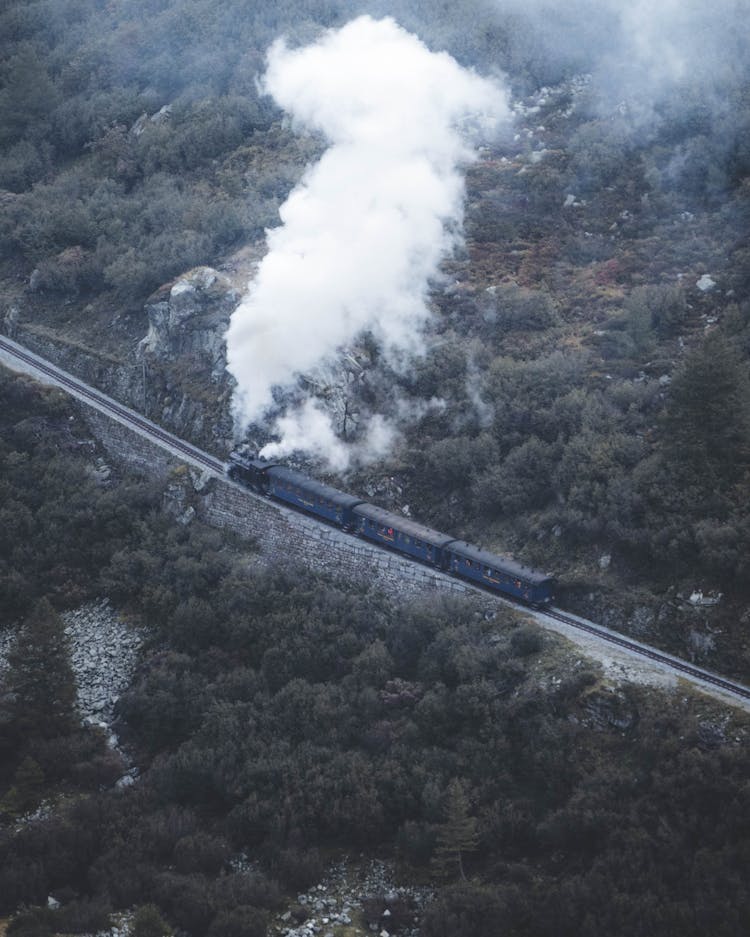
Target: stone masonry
281 534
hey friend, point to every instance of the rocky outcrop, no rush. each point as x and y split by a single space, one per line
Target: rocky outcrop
189 318
160 117
611 708
349 894
337 384
186 387
176 373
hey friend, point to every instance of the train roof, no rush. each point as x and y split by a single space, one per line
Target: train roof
403 524
251 461
501 563
311 486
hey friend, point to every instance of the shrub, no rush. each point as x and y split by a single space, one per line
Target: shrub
296 868
84 915
200 852
244 921
35 922
526 640
148 922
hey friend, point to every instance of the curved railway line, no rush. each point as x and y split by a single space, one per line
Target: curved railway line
119 411
146 427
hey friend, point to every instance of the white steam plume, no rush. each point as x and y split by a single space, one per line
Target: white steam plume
644 52
308 429
368 225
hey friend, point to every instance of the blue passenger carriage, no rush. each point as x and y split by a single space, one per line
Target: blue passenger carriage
391 530
499 573
402 534
311 496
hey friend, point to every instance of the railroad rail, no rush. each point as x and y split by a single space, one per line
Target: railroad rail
102 402
162 437
645 650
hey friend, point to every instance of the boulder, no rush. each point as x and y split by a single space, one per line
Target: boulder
706 283
190 317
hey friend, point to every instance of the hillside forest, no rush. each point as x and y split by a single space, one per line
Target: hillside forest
588 349
286 720
582 403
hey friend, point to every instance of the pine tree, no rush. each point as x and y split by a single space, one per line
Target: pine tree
148 922
28 785
708 415
457 835
40 676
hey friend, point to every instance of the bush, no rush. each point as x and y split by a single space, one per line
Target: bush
296 868
89 915
35 922
148 922
244 921
465 911
416 842
247 888
200 853
187 900
526 640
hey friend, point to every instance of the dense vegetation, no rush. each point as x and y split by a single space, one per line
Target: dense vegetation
291 718
595 401
105 202
135 144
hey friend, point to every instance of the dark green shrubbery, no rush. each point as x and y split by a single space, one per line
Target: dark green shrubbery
305 717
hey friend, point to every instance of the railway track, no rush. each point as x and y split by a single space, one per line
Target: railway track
643 650
146 427
119 411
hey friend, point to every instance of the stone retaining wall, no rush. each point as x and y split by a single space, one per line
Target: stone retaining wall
284 536
128 447
281 534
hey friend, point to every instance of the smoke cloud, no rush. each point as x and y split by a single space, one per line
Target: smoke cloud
644 52
364 232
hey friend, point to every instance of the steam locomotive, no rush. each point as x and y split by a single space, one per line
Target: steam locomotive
355 515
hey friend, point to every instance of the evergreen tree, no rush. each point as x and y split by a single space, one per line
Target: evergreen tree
708 416
28 785
40 676
148 922
456 835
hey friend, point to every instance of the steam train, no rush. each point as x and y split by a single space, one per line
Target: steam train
355 515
